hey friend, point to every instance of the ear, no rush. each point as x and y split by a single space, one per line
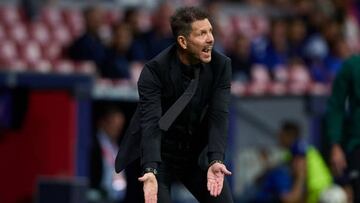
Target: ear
182 41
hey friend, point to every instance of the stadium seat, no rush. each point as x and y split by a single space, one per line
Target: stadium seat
260 80
30 51
9 15
299 79
61 34
39 32
51 16
63 66
2 33
8 51
74 20
18 32
52 51
17 65
41 66
86 67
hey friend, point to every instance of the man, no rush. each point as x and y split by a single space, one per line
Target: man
103 152
174 154
89 45
343 107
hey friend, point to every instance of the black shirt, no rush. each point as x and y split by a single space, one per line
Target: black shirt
185 124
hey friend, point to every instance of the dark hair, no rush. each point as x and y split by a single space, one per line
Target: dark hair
108 110
181 21
292 128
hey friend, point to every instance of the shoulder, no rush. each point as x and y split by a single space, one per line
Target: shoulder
219 61
219 57
353 60
349 65
162 60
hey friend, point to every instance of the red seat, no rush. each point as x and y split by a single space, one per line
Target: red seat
74 20
2 33
86 67
63 66
51 16
9 15
41 66
8 52
299 79
30 51
39 32
18 32
260 80
61 34
52 51
17 65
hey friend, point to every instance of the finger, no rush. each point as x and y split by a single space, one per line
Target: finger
216 190
225 171
142 178
220 186
213 190
210 181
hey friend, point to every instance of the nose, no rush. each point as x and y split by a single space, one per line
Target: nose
210 38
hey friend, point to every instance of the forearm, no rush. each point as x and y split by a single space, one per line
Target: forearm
296 194
219 115
149 88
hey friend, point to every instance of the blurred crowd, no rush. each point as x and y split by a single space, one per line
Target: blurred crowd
276 46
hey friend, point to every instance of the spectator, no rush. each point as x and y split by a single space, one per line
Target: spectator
297 36
285 182
132 18
160 36
109 186
89 45
117 58
240 58
339 51
275 52
301 177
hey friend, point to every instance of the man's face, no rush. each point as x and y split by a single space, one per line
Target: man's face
200 42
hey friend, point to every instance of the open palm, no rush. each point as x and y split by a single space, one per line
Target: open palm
215 178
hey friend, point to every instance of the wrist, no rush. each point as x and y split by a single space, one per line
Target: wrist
214 162
150 170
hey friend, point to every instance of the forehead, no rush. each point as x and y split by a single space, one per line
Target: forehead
201 25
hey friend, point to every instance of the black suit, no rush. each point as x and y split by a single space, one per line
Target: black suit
160 85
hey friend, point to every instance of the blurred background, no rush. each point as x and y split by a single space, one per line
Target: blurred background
68 73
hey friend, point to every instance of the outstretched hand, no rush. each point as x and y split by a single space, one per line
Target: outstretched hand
337 160
150 187
215 178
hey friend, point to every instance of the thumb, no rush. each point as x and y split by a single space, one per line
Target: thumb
142 178
225 171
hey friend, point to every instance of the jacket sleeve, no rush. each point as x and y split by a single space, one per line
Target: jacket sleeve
218 114
336 103
149 87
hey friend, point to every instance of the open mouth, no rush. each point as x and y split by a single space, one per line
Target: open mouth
207 50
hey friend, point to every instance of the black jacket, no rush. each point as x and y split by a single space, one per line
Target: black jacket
159 86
